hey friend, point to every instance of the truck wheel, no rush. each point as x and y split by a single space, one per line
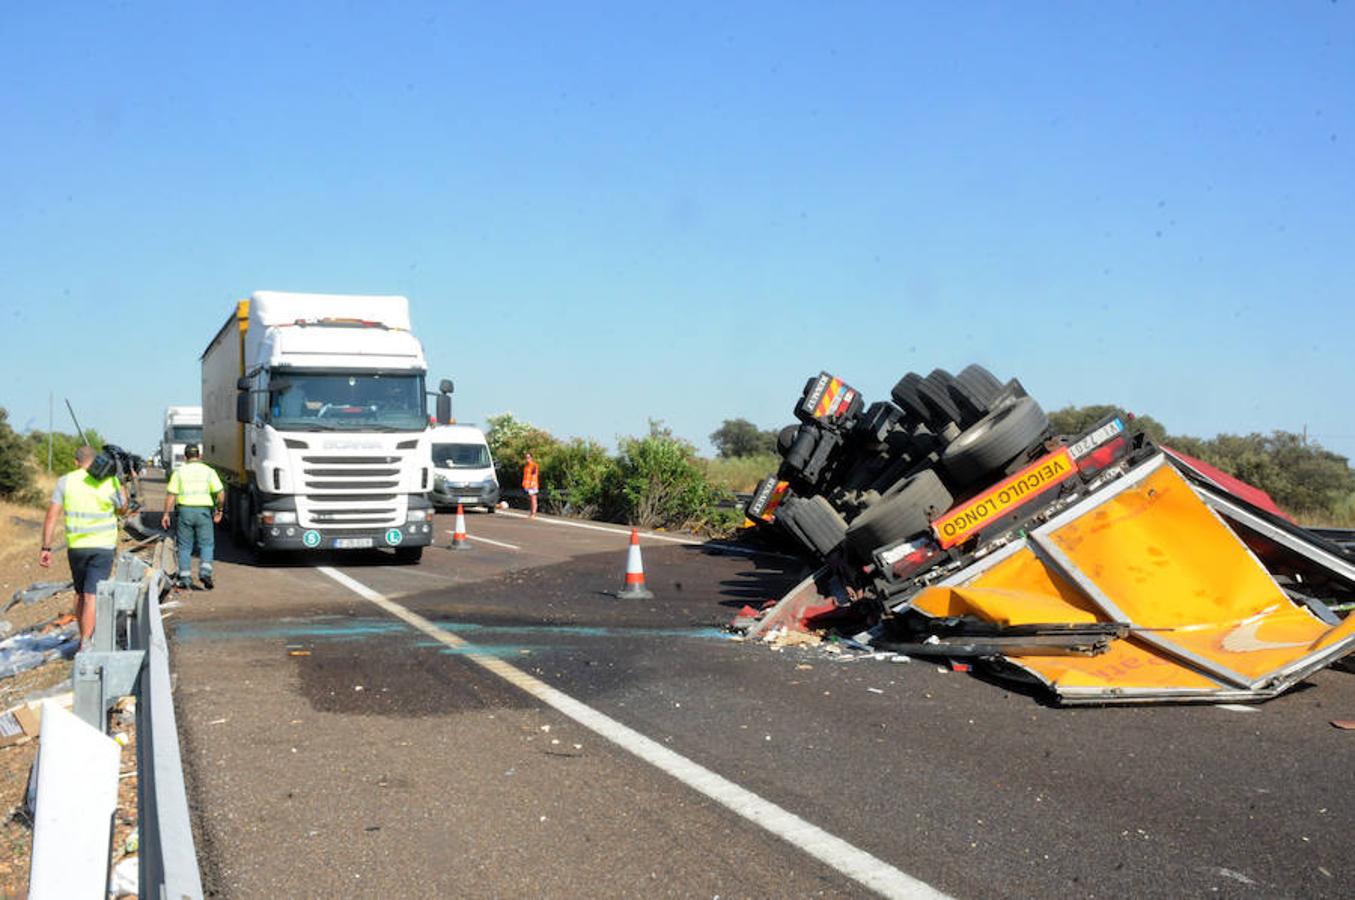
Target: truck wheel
995 440
408 555
909 400
980 382
785 438
800 451
942 410
909 510
821 525
240 528
971 409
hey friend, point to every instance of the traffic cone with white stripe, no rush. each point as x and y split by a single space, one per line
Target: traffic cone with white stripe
635 572
459 541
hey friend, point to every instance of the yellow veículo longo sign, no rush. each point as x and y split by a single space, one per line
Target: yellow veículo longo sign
971 517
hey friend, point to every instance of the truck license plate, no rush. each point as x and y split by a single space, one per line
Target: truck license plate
352 543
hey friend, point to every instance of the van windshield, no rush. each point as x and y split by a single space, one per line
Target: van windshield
187 434
460 456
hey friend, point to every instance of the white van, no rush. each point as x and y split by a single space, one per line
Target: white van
463 471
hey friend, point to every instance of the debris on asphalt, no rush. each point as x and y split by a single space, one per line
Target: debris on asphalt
951 522
1344 724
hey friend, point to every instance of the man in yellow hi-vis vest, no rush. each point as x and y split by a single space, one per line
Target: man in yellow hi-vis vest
198 492
91 507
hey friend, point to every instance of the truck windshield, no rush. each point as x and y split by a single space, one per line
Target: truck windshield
187 434
347 402
460 456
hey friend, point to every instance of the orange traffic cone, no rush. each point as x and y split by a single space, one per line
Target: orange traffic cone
635 572
459 541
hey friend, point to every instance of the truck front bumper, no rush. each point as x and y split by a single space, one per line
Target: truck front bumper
295 537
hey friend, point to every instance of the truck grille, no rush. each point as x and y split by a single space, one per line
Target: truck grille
350 491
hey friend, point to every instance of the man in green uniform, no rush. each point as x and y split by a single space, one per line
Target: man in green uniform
91 507
198 492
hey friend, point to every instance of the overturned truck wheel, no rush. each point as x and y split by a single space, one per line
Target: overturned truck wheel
995 440
907 511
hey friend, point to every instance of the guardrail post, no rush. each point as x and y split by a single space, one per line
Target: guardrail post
105 617
102 673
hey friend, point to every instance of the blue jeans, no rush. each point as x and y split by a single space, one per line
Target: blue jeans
195 526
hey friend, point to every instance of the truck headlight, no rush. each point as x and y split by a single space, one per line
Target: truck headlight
420 515
282 517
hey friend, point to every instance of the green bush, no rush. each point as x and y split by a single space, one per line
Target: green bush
658 482
510 440
63 448
16 472
574 478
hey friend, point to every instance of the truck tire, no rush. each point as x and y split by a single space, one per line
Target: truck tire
785 438
994 441
822 527
803 447
936 398
980 382
408 555
971 408
905 394
908 510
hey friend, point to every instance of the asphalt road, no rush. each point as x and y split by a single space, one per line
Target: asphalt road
334 747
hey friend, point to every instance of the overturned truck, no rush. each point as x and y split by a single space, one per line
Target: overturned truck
952 521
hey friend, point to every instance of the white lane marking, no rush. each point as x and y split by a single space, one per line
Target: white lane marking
1237 707
476 537
829 849
691 542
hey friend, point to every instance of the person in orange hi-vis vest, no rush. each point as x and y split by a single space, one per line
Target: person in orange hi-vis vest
531 481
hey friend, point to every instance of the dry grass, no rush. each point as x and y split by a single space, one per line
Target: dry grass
21 525
740 474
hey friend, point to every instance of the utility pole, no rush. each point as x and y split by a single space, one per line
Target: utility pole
49 432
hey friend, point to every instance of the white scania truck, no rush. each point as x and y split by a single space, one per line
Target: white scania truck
183 426
314 410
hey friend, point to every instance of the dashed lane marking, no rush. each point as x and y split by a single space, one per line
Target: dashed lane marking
485 540
829 849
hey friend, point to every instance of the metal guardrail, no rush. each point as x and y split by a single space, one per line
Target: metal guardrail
167 859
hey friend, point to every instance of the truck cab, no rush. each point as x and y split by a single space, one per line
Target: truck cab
317 421
183 426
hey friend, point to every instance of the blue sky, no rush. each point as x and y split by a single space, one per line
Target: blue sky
605 213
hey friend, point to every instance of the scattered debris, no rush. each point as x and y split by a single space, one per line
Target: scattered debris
37 591
1344 724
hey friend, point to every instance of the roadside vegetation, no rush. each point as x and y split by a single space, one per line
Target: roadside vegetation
1311 483
654 480
24 478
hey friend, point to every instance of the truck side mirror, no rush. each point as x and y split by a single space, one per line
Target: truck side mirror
444 414
445 386
242 408
242 383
